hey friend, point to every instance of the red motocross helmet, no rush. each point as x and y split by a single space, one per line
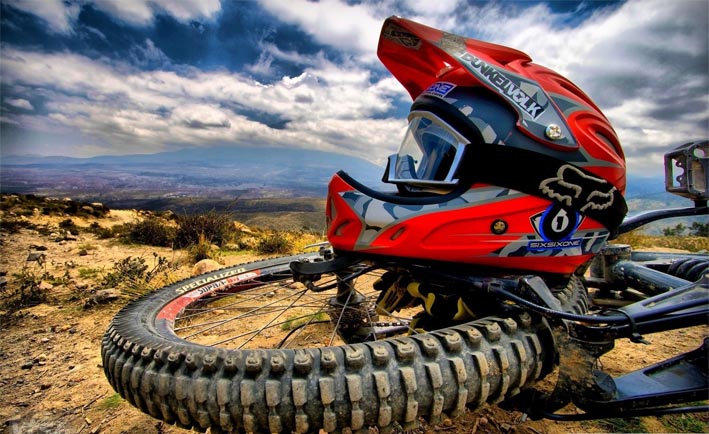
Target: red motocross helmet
505 163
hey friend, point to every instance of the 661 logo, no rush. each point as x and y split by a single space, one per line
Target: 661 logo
555 226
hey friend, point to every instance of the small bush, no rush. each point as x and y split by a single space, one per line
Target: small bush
69 226
203 249
638 240
133 275
28 291
275 243
627 425
89 273
101 232
215 228
151 231
13 225
112 401
696 423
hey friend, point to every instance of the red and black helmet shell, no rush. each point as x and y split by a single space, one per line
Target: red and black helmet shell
429 62
541 178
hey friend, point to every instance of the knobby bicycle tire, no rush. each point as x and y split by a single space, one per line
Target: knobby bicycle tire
383 383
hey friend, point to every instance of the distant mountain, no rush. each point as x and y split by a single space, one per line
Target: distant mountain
252 171
227 177
216 156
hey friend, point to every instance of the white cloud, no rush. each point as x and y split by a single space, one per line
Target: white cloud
136 12
19 103
59 16
327 107
142 12
353 28
645 63
187 10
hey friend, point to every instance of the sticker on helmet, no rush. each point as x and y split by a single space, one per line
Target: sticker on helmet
439 89
573 187
401 36
509 87
558 222
555 226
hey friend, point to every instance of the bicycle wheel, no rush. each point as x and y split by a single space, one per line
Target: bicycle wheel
247 349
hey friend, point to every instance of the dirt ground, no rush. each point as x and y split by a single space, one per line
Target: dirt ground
52 381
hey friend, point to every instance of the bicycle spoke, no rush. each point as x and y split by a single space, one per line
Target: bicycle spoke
276 312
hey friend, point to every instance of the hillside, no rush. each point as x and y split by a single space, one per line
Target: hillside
276 188
221 173
51 378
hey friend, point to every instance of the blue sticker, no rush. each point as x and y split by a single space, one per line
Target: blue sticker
555 226
439 89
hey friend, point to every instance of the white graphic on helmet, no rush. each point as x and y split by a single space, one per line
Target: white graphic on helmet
527 97
514 92
377 216
569 184
585 242
556 222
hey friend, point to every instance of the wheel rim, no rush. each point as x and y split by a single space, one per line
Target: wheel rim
255 311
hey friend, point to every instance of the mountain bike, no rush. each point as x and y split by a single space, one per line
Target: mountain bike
330 341
465 287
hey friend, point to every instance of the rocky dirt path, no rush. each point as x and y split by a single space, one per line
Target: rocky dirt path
52 381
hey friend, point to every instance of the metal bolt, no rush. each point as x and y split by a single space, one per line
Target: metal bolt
553 132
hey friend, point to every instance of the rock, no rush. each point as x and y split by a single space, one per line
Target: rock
36 257
103 296
83 252
41 360
45 286
205 266
242 228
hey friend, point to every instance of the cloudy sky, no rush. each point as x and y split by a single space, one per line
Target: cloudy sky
99 77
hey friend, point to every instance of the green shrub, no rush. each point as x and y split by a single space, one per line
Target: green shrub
151 231
274 243
69 226
215 228
617 425
13 225
112 401
101 232
696 423
28 291
203 249
89 273
133 274
638 240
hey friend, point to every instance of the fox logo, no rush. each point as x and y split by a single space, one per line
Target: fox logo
572 185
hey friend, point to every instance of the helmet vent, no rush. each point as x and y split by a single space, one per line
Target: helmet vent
397 234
